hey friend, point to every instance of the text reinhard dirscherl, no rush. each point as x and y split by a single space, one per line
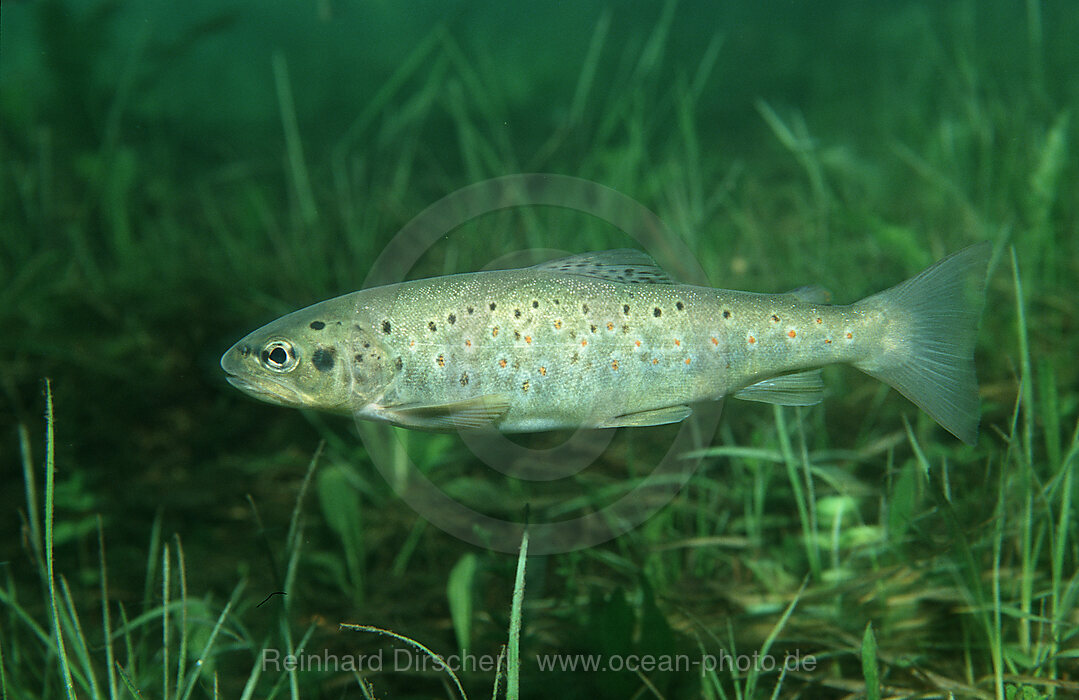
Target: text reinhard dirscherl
407 660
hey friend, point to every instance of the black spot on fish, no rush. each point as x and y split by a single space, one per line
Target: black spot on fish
726 314
245 351
493 305
625 328
657 312
584 309
464 379
470 310
386 327
517 335
516 313
323 359
524 387
358 357
431 326
625 309
680 306
593 328
317 325
452 319
556 302
398 363
629 270
535 304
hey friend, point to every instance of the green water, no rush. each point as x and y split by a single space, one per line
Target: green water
174 175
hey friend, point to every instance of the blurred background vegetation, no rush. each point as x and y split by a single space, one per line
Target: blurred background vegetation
173 175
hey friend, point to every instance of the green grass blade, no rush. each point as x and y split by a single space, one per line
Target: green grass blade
414 644
166 577
106 621
78 641
773 634
499 672
810 539
181 660
513 656
50 494
301 181
587 75
208 647
869 664
460 593
32 514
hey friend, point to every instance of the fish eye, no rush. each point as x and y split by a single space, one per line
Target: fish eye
278 356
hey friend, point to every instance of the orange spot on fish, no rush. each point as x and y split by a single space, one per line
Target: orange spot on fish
687 360
715 342
501 363
849 335
528 339
791 333
614 365
752 340
557 325
655 361
494 332
610 326
468 343
412 343
820 320
543 371
583 343
638 343
441 361
827 341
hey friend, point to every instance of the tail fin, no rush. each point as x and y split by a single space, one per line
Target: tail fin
932 362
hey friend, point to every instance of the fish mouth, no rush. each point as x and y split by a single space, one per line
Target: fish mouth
270 392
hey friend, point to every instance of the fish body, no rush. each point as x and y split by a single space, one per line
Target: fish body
607 340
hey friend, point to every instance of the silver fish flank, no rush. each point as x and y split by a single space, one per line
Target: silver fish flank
605 340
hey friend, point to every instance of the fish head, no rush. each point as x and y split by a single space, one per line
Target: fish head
310 359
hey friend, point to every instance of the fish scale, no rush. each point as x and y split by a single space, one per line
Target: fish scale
608 340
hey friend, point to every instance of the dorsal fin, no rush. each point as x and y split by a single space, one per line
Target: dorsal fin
622 265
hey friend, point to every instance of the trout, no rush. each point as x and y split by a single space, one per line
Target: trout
608 340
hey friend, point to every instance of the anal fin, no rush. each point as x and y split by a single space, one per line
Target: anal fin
657 416
469 414
799 389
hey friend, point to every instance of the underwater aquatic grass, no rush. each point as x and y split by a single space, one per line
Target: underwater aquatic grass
928 531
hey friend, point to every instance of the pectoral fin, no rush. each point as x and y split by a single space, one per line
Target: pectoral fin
479 412
658 416
800 389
